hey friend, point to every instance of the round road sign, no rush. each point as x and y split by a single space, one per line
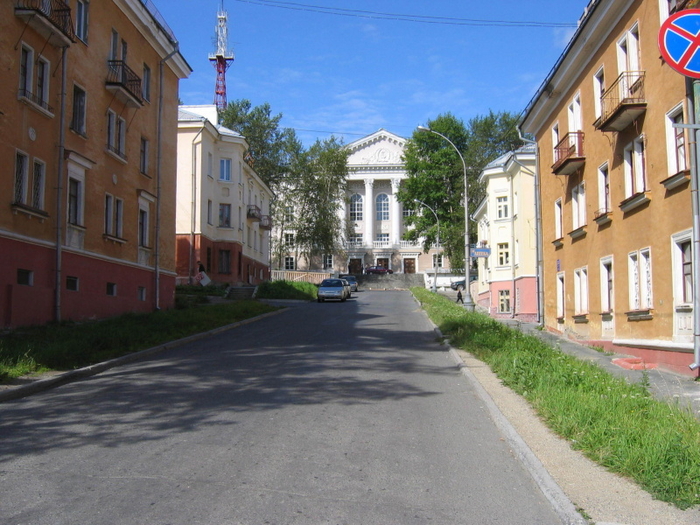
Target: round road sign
679 42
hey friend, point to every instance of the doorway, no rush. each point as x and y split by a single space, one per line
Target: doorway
409 266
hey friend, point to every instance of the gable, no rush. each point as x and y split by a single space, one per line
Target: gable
379 149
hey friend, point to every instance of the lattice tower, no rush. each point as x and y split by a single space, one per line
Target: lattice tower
222 59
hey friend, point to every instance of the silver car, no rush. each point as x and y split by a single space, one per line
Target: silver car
332 289
352 280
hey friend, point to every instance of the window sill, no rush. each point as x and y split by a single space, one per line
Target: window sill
77 227
114 239
561 320
639 315
30 212
681 308
47 112
580 318
146 175
578 232
676 180
636 200
82 134
558 243
118 156
603 217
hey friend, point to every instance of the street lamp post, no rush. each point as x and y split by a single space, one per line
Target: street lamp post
468 301
437 257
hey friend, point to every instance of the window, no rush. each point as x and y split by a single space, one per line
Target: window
75 201
21 167
114 211
356 207
289 263
225 170
146 83
502 207
382 239
555 139
42 83
382 207
639 265
142 293
356 239
503 254
143 155
81 19
635 176
224 261
26 71
578 205
628 54
289 240
209 212
34 77
408 212
79 103
574 113
288 214
503 301
25 277
581 291
72 283
558 223
114 46
676 144
327 261
438 260
112 289
603 190
116 134
687 271
606 285
682 248
561 300
598 90
143 227
225 215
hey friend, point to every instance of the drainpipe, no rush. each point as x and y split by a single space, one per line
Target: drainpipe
158 179
193 208
538 231
59 187
691 87
512 245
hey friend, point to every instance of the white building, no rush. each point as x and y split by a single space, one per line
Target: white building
223 207
507 280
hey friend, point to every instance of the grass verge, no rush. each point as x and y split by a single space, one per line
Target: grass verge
287 290
68 345
617 424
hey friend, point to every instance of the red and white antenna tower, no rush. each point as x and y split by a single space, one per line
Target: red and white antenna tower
222 58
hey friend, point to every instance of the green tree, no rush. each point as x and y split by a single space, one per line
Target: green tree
317 194
435 175
271 147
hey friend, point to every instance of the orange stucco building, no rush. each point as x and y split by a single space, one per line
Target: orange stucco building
615 187
88 134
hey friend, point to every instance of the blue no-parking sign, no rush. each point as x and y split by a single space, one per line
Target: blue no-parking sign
679 42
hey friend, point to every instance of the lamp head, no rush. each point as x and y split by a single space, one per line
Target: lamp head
423 128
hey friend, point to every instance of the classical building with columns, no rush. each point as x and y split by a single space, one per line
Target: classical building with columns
374 215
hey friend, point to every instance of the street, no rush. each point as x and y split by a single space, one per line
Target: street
332 413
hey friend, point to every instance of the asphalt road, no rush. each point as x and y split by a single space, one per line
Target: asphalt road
332 413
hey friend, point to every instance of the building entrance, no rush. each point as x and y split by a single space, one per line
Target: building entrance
409 266
355 266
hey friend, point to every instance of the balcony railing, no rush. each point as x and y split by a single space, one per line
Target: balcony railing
254 212
568 154
623 102
47 16
36 99
125 83
265 222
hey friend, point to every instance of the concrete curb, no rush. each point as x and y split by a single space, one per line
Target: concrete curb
40 385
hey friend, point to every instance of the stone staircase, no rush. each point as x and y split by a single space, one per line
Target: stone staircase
240 292
394 281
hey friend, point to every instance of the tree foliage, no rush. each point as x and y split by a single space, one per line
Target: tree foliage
435 175
271 147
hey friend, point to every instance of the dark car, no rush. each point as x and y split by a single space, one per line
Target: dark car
459 285
378 270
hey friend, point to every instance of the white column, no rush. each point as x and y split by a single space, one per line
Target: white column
368 212
395 213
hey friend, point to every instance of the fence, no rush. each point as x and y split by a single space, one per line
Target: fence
309 277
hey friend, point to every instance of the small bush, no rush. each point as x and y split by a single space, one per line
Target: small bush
287 290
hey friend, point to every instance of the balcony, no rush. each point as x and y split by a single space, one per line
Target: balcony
265 222
568 154
254 213
50 18
124 83
623 102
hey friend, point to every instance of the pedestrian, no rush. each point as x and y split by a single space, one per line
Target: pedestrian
200 266
459 297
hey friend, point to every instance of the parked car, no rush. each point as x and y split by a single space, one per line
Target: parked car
331 289
348 288
378 270
459 285
352 280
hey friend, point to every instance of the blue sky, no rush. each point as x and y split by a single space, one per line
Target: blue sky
351 75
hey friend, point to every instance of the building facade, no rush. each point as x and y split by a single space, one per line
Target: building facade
374 215
615 191
507 237
87 138
223 207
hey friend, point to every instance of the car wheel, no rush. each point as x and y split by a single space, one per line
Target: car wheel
320 300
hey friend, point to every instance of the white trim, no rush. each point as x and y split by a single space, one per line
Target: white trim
653 343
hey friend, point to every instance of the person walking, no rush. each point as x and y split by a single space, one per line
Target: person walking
459 297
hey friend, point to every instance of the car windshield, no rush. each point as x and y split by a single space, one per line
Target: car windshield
331 283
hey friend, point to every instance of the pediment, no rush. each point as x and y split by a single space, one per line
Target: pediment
378 149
